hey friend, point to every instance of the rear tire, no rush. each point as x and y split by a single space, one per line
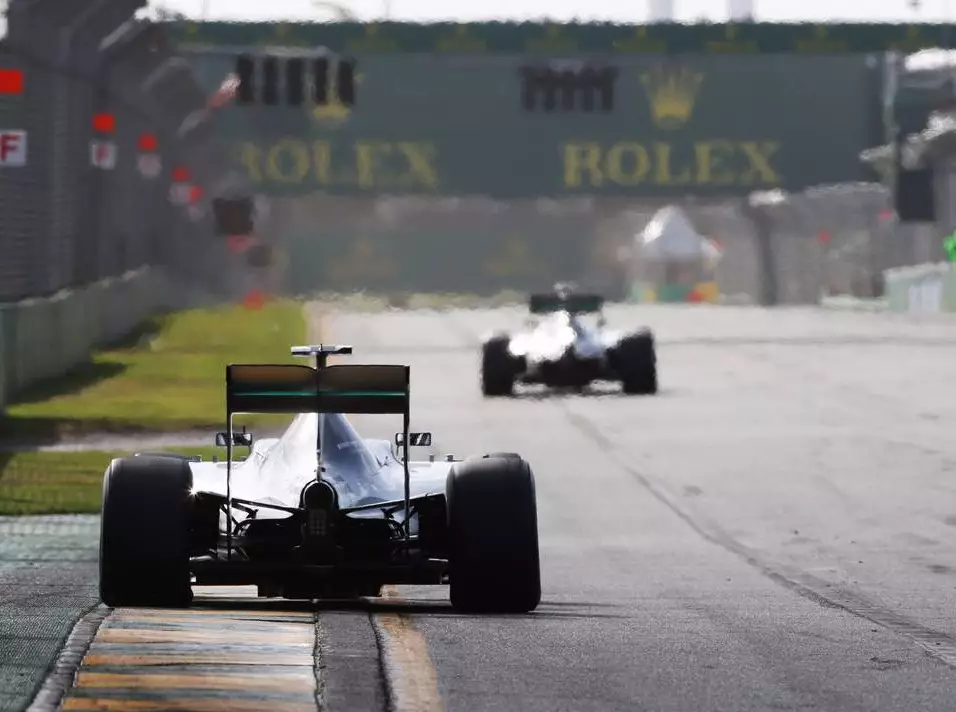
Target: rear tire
635 361
497 368
144 533
494 564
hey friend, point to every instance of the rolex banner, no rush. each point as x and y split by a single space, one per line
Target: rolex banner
666 127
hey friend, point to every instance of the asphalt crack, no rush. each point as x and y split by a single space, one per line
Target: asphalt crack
936 644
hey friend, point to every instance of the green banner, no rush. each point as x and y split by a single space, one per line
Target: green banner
434 260
530 37
707 126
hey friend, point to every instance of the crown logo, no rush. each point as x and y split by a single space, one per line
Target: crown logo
333 112
672 95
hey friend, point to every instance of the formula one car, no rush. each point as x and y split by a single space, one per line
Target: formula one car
563 350
320 512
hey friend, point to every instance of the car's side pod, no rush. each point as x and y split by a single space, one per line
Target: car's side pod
493 554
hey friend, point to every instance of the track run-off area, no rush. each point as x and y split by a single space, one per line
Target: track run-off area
776 530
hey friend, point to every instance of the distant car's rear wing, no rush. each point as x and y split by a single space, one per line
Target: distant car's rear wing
295 388
573 303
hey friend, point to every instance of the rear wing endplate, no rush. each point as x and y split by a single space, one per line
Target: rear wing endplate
573 303
296 388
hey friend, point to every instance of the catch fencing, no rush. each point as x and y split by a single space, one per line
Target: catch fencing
64 222
74 216
776 248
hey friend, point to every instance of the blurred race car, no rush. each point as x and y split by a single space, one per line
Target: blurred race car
567 345
320 512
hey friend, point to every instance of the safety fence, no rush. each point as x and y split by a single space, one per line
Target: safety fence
794 248
108 161
775 248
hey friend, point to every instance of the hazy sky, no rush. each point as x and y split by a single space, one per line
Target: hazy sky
563 10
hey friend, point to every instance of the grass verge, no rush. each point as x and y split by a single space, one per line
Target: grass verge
168 376
63 482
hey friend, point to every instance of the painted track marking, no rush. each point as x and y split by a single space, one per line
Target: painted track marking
410 677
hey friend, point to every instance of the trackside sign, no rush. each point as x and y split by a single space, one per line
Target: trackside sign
13 148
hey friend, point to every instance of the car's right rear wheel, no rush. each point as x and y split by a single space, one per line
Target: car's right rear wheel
144 533
497 368
635 360
493 536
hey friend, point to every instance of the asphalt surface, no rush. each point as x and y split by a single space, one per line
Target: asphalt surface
47 567
774 531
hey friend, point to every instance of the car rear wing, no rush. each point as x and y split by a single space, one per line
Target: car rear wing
295 388
572 303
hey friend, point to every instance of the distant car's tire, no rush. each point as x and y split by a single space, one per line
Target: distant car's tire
497 368
635 361
144 533
493 536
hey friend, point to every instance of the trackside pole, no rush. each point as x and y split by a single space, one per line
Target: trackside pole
321 360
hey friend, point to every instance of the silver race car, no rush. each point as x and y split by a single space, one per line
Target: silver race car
567 345
320 512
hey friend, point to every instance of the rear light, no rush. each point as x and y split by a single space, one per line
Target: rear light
319 500
316 523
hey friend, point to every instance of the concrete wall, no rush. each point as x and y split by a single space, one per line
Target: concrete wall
926 288
43 338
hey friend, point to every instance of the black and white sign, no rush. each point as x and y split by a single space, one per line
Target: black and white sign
103 155
150 165
13 148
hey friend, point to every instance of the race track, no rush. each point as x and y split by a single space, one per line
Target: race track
774 531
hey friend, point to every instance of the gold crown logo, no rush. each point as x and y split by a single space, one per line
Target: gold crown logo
672 94
334 111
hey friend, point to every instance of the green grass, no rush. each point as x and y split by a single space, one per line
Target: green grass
63 482
169 376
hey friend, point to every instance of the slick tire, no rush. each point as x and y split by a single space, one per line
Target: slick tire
144 533
497 368
635 360
494 565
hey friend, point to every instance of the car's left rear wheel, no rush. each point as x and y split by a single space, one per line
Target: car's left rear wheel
144 533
